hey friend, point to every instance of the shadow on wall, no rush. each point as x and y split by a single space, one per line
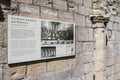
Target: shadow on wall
4 4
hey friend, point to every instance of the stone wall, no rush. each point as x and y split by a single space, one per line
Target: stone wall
80 67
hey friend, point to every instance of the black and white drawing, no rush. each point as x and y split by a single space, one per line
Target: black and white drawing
56 33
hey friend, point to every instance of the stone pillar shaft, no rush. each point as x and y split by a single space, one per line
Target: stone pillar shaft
99 24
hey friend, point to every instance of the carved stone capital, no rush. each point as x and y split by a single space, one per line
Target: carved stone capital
99 21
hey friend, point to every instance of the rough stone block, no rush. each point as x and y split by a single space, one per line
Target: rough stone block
88 67
88 47
80 2
50 76
79 20
14 73
65 16
79 59
110 61
47 13
88 57
85 34
1 72
115 26
78 71
55 65
79 47
118 35
72 6
110 25
88 3
29 10
25 1
47 3
64 74
88 22
36 68
89 76
108 71
85 11
60 4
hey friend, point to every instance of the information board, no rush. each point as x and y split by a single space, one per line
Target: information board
31 39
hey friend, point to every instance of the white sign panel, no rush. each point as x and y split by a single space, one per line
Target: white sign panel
32 39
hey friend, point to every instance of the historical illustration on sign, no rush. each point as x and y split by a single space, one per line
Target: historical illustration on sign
56 36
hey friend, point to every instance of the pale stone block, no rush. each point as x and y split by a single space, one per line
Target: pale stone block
64 74
79 20
25 1
56 65
47 3
88 22
118 35
79 47
88 57
78 71
88 47
14 72
110 77
36 68
88 67
29 10
89 76
50 76
65 16
115 26
110 25
108 71
79 60
47 13
117 19
85 34
60 4
88 3
80 2
72 6
1 72
69 62
85 10
110 61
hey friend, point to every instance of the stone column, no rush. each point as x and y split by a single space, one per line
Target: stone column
99 25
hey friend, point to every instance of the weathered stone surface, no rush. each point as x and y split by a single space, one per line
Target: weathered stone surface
25 1
60 4
72 6
110 25
79 48
1 72
36 69
78 71
47 13
29 10
14 73
85 10
88 3
80 2
88 67
79 20
88 47
47 3
85 34
65 16
115 26
88 22
55 65
88 57
89 76
64 74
